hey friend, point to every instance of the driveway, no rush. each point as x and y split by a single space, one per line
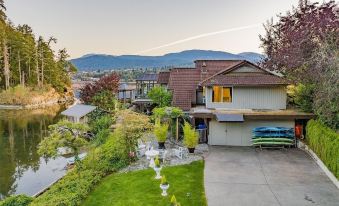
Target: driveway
245 176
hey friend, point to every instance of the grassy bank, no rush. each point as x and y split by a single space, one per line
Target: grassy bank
140 188
20 95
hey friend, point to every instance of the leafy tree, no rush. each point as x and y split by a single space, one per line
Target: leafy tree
105 100
106 83
64 134
290 43
160 96
304 46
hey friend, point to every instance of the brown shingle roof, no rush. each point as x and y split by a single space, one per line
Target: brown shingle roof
248 80
163 77
225 77
184 81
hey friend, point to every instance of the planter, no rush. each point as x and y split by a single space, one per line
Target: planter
191 150
157 171
164 189
161 145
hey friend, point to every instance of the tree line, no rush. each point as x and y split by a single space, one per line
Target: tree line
28 60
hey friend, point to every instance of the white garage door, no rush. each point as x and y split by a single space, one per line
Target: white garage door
238 134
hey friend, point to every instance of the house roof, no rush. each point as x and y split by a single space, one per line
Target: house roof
78 110
147 77
184 81
163 77
226 77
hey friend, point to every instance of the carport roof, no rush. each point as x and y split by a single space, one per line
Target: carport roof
229 117
288 114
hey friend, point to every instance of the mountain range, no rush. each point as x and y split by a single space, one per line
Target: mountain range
91 62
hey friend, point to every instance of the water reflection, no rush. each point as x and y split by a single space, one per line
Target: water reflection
22 170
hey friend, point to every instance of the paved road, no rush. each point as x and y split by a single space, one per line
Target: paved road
241 176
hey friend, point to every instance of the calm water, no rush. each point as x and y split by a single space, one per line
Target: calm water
22 170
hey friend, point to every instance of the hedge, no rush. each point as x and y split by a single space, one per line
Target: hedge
325 143
18 200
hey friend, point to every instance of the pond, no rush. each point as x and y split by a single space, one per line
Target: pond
22 170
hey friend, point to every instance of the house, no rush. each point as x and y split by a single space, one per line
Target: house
144 84
229 98
126 92
78 113
163 78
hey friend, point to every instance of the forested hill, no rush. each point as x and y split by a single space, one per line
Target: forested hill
27 59
91 62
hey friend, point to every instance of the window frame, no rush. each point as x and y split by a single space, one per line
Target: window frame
222 95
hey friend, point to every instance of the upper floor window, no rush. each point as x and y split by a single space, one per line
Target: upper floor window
221 94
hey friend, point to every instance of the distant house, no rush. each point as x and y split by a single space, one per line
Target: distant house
144 84
163 78
231 97
78 113
127 92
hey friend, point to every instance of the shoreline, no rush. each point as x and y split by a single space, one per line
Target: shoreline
37 106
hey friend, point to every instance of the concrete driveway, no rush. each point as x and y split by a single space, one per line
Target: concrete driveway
244 176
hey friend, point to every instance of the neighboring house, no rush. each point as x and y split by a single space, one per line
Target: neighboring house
163 78
78 113
144 84
127 92
230 98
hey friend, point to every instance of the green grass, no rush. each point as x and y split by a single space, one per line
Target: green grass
140 188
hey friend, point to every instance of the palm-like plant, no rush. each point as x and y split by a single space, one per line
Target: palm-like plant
190 136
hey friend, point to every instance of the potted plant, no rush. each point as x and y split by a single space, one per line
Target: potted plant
157 168
164 185
160 131
190 137
174 201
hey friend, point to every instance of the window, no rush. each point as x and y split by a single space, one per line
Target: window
221 94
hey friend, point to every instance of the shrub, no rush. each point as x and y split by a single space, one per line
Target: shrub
105 100
101 137
160 96
18 200
325 143
102 123
303 97
190 136
70 190
160 131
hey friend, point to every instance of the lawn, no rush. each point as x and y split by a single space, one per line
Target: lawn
140 188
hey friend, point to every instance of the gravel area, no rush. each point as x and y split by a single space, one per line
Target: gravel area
171 159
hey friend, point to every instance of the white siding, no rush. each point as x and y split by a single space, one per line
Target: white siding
239 134
251 98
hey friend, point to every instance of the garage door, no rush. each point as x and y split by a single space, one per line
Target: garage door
238 134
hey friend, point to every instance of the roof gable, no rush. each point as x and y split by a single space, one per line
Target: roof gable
244 73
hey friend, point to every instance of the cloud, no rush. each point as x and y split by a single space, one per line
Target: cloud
199 36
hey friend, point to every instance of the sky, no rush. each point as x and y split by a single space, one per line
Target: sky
148 27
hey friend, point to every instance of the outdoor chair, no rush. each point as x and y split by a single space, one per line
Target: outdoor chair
181 152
